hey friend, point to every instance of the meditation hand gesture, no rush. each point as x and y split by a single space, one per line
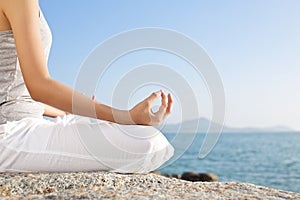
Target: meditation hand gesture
143 114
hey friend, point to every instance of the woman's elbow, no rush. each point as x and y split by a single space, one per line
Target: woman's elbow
34 95
38 90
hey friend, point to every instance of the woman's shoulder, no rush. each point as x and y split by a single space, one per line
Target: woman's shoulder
16 8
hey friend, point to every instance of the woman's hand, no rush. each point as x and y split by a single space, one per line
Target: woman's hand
50 111
142 113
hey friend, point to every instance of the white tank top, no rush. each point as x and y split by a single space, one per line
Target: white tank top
15 100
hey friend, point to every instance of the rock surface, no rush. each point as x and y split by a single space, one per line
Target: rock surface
133 186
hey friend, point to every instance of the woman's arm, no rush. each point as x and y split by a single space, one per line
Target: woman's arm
24 20
55 112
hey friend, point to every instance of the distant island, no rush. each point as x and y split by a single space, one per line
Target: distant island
187 126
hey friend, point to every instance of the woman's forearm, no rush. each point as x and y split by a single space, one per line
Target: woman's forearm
108 113
58 95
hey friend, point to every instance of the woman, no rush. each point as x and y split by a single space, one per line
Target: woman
30 143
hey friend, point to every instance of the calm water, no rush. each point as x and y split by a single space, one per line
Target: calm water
268 159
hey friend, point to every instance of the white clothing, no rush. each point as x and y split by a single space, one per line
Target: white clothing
74 143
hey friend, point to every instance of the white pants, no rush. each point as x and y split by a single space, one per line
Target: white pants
74 143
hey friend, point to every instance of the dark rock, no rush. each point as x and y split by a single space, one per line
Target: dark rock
208 177
190 176
203 177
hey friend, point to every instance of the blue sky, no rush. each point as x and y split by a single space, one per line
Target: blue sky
254 44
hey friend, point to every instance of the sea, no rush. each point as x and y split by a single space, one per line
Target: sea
266 159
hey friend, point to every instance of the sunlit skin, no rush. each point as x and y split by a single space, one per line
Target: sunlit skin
22 17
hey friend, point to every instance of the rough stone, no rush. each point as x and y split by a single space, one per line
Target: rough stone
106 185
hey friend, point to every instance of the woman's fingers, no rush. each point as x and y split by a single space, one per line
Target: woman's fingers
164 103
170 104
153 96
165 108
164 100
